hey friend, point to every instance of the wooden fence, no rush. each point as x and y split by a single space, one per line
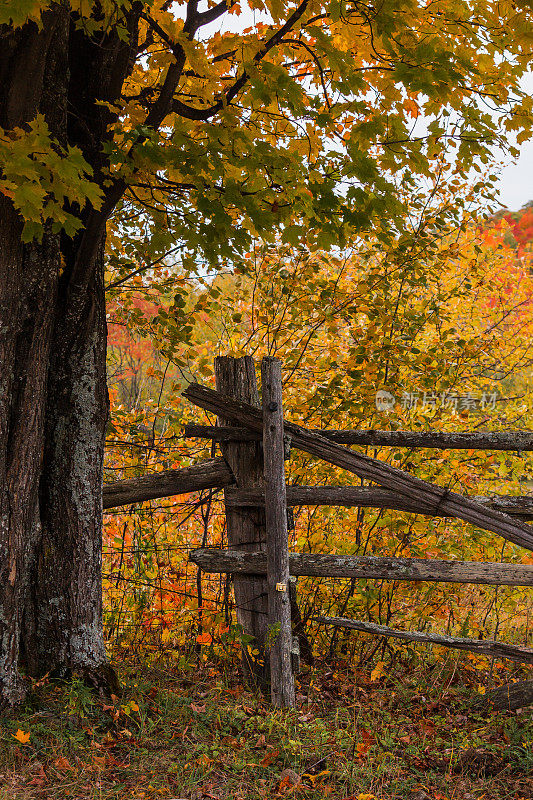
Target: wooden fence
243 425
255 442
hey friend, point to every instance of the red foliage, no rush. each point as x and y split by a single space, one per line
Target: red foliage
521 226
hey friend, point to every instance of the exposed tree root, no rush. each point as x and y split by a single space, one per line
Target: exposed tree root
102 679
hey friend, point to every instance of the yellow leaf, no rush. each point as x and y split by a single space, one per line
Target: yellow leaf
378 671
22 736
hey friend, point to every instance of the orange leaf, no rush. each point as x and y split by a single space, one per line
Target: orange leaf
62 764
204 638
269 758
22 736
412 108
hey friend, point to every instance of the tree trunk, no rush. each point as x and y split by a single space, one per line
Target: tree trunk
53 395
28 279
32 79
65 623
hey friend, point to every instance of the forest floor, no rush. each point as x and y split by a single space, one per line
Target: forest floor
196 733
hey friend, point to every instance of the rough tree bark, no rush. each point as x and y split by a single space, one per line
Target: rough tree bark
28 278
66 611
28 293
53 395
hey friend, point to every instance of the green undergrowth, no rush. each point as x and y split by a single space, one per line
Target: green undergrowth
197 733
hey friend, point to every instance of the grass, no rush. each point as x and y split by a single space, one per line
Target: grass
196 733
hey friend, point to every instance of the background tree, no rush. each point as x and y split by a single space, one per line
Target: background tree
316 121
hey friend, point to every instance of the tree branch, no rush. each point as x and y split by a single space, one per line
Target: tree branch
213 13
206 113
139 270
316 61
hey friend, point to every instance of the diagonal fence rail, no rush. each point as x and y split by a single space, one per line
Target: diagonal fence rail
432 498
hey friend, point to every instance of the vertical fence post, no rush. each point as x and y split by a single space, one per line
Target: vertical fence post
235 377
279 607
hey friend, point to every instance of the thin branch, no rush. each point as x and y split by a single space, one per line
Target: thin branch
140 269
317 62
206 113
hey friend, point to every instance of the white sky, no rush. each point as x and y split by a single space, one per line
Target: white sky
516 183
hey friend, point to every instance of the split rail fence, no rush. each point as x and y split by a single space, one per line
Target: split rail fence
255 442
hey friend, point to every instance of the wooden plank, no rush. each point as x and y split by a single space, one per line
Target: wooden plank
485 647
369 567
439 440
348 496
434 498
211 474
277 558
215 474
220 433
246 527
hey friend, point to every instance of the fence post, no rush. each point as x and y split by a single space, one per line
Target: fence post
235 378
279 607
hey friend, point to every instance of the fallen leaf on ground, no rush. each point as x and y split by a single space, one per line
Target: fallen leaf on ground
288 780
269 758
62 764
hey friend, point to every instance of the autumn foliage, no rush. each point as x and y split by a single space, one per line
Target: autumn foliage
446 330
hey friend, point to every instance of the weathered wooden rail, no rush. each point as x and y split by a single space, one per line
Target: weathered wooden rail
440 440
433 499
519 506
486 647
215 474
212 474
368 567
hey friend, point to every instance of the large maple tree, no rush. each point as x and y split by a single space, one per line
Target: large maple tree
316 119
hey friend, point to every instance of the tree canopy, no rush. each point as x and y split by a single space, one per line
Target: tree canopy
315 121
